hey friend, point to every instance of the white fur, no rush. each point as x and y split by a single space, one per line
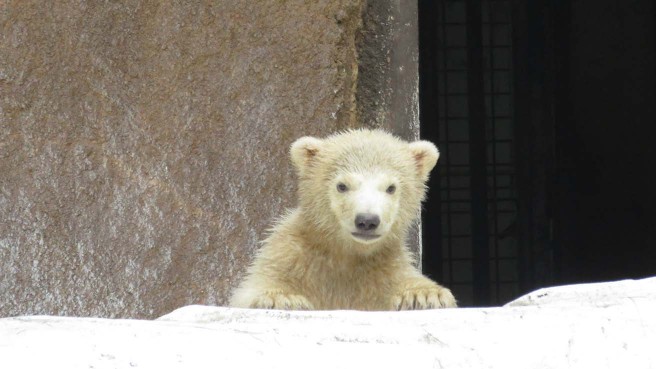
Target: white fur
312 260
366 195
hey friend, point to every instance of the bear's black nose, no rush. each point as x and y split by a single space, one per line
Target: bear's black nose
366 221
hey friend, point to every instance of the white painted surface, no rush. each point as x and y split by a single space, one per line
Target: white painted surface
613 325
592 295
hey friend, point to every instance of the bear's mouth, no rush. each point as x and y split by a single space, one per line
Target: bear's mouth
365 236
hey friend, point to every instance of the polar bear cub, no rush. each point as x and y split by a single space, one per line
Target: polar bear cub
343 247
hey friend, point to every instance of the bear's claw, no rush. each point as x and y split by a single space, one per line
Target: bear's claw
281 301
425 298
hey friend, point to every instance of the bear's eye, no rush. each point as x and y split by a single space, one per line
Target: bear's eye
341 187
391 189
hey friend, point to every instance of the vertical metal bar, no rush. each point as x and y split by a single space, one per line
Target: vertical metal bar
429 117
513 122
497 282
445 140
524 63
477 154
562 125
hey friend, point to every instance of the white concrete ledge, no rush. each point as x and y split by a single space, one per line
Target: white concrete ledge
608 325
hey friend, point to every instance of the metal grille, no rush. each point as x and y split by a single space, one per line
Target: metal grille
477 199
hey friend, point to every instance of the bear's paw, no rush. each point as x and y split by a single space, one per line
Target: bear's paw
429 297
281 301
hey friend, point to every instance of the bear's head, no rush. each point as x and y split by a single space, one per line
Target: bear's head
360 188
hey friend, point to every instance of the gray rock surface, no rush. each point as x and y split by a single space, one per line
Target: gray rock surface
143 144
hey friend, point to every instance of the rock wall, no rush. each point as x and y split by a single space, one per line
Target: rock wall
388 80
143 144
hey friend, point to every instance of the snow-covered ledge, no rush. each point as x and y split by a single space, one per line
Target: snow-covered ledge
604 325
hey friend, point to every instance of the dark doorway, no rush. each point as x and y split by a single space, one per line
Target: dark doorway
542 111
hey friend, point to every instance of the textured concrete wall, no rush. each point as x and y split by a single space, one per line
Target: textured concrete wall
388 80
143 144
388 55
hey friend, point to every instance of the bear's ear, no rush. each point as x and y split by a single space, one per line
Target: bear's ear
304 150
425 155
